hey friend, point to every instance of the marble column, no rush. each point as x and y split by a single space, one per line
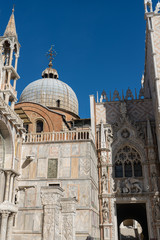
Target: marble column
68 230
10 226
8 173
2 185
50 197
4 223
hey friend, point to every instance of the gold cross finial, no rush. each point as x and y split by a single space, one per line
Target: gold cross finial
51 55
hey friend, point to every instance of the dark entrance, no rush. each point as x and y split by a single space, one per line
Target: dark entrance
135 211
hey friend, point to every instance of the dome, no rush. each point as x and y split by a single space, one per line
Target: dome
51 92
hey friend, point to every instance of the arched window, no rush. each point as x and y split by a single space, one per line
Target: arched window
137 169
128 169
39 126
118 169
128 163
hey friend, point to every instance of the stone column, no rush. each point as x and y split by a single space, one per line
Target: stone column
10 226
16 61
2 185
4 222
8 173
51 206
11 56
68 218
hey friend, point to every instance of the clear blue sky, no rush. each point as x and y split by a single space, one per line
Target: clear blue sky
100 44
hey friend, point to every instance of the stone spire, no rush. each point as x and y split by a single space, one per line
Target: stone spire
11 27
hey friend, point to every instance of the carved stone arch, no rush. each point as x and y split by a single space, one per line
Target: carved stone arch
6 135
6 39
139 147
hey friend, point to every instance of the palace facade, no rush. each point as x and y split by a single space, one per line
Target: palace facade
67 178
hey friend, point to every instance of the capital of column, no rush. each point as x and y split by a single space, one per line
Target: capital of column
5 213
51 195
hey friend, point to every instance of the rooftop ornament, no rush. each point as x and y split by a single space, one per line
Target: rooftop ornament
51 54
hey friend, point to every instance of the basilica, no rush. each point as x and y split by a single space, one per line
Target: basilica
67 178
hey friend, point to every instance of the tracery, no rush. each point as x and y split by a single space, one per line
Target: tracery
128 163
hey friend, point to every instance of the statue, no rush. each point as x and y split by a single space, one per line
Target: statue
157 206
132 185
118 188
104 183
105 212
154 181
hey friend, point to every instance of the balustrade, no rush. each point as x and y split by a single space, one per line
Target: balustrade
58 136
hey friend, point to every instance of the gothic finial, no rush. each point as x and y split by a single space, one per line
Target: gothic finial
11 27
51 55
148 3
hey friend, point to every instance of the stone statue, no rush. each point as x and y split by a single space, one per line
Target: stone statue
104 183
154 181
157 7
118 188
105 212
157 206
132 185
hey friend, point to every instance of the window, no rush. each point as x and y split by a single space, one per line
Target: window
52 168
26 126
58 103
128 163
137 169
128 169
118 170
39 126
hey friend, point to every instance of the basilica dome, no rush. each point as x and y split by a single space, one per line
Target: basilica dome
51 92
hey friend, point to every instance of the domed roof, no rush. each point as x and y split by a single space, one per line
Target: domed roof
51 92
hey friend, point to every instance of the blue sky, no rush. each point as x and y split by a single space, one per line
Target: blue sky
100 44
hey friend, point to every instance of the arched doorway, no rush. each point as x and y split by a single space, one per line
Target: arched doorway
130 229
136 211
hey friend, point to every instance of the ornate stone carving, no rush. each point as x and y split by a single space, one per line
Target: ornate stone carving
105 212
116 95
118 187
67 228
48 231
149 4
156 202
125 133
84 166
131 185
123 109
103 97
104 183
157 8
129 94
154 181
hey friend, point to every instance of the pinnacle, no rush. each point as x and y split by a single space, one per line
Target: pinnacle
11 27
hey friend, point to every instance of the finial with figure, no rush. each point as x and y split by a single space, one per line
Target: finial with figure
51 55
148 3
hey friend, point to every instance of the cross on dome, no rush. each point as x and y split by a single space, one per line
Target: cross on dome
51 54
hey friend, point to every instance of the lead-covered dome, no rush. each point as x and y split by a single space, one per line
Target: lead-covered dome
51 92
